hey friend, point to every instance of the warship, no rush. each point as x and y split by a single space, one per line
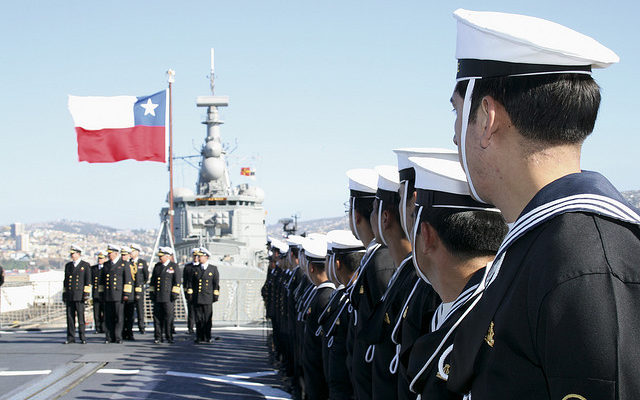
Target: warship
229 221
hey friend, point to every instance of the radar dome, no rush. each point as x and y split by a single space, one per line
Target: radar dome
179 193
212 168
213 149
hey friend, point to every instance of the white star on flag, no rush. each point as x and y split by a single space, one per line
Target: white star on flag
149 107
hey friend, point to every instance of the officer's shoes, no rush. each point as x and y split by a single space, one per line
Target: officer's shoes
197 341
141 331
107 341
68 341
156 341
170 341
119 341
83 342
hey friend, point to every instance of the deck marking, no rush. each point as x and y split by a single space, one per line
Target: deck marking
118 371
267 391
25 373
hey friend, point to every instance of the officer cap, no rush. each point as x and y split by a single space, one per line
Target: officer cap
112 248
75 249
135 246
165 251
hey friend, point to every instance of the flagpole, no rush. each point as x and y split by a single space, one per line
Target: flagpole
171 78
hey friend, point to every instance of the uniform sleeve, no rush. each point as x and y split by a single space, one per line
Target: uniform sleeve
127 279
216 285
577 339
88 274
1 276
145 271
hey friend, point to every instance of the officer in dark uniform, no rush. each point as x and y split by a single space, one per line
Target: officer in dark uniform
206 289
130 304
559 316
76 290
164 289
118 288
140 280
98 304
187 275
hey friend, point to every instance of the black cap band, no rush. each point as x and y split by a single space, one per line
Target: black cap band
473 68
388 196
357 193
434 198
407 174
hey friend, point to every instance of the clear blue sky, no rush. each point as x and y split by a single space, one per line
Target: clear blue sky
315 88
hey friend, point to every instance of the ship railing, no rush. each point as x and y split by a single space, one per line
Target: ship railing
39 305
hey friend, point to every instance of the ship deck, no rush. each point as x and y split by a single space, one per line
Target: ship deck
37 365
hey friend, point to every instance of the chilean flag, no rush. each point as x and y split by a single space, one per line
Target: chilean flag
117 128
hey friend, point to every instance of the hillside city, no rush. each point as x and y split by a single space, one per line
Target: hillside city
45 246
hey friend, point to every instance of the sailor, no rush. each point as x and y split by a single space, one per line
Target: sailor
372 277
187 275
346 253
96 292
118 288
76 290
558 318
293 366
421 300
130 303
205 282
454 238
141 277
164 289
315 383
387 228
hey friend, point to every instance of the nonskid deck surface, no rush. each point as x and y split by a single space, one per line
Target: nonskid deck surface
36 365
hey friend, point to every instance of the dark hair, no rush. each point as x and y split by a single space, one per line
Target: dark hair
467 234
550 108
364 206
294 250
320 265
350 261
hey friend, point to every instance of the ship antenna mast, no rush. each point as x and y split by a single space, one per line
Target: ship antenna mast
212 76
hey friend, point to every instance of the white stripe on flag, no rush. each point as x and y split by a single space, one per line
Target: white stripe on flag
99 112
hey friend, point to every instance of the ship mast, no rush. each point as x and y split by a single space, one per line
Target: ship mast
214 177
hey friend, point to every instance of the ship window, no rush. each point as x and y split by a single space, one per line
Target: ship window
232 203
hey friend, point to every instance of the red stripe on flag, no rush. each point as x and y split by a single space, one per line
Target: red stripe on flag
141 143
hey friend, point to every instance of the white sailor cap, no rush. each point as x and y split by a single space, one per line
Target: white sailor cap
112 248
75 249
388 183
442 184
405 167
315 248
280 245
295 240
165 251
135 246
343 241
203 251
491 44
101 254
363 182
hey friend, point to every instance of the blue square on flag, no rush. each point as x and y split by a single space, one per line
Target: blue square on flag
150 110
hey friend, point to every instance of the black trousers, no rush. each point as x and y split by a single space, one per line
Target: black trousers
162 320
75 308
191 316
129 308
114 318
98 315
203 315
140 310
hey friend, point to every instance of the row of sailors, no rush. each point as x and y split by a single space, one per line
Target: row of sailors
118 283
446 302
366 322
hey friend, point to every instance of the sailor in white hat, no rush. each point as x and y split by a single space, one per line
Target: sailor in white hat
373 274
526 102
75 291
421 300
140 267
164 289
454 238
345 252
315 380
187 278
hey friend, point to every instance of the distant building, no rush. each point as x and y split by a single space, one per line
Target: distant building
22 243
17 229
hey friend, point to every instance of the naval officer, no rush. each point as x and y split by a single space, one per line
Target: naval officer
205 282
96 293
187 275
118 287
141 277
129 304
76 290
164 289
559 316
